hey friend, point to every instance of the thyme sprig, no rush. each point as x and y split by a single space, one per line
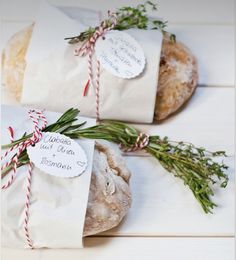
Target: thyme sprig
127 18
194 166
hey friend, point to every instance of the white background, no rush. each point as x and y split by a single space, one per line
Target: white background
165 222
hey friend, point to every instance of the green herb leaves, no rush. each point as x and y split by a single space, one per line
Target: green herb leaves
127 18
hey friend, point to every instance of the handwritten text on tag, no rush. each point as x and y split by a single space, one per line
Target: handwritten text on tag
120 54
58 155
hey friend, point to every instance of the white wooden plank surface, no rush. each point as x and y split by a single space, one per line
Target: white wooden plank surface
136 248
181 11
213 45
162 206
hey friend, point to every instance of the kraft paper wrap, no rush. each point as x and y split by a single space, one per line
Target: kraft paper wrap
54 78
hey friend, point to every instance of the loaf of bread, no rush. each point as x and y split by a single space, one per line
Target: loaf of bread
178 74
109 196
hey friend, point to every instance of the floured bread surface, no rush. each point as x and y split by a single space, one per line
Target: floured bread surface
178 73
178 77
109 196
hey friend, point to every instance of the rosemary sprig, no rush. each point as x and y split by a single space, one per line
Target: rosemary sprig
195 166
127 18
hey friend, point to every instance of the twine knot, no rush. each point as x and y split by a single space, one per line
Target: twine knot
104 27
141 142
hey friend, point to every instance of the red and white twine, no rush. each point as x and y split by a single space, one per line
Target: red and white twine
36 116
88 49
141 142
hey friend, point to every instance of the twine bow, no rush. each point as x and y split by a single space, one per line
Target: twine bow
36 116
88 49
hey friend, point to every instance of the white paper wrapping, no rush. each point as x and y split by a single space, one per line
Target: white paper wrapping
54 78
57 205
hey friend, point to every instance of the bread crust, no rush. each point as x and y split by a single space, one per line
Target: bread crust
178 78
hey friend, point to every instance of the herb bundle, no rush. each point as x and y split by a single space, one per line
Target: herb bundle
193 165
127 18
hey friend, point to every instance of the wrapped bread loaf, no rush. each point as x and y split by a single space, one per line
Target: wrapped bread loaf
109 199
177 77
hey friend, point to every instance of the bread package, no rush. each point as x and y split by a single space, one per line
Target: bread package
176 77
52 197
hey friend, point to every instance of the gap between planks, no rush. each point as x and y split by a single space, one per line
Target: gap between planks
215 86
145 154
169 23
161 236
